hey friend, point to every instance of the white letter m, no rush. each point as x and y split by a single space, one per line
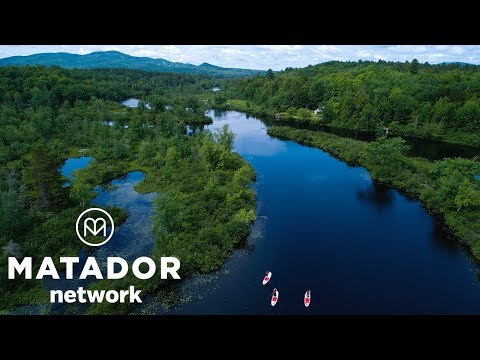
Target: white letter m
95 231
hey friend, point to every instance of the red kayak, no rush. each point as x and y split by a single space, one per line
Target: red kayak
307 298
267 277
274 297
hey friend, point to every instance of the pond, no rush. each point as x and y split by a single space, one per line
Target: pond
74 164
133 103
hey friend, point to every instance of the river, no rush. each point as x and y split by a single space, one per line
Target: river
323 225
360 247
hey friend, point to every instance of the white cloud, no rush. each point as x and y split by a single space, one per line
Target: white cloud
230 51
172 49
363 54
380 57
282 47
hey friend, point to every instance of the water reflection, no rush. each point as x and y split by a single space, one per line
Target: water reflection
133 103
134 237
72 165
250 136
194 129
442 238
377 195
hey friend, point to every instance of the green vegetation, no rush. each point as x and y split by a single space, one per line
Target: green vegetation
447 187
205 208
440 102
49 114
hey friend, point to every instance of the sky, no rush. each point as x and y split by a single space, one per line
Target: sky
275 57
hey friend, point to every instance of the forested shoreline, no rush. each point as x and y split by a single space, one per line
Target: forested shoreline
438 102
50 114
388 99
448 188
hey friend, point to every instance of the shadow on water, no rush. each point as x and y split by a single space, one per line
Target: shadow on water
377 195
443 239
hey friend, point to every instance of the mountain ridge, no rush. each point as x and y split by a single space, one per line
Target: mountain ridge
117 59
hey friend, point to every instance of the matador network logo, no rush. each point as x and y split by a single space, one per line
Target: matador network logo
95 227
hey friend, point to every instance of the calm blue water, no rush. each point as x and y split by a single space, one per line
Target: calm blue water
322 225
74 164
133 103
133 238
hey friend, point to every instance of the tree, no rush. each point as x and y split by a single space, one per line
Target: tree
413 67
80 191
191 102
13 249
225 137
291 112
303 113
452 188
467 195
43 179
270 73
219 99
14 215
385 157
468 116
158 103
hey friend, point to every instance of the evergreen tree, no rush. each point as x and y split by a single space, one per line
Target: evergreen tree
413 67
467 195
43 179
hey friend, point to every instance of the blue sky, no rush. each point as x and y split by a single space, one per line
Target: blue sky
276 57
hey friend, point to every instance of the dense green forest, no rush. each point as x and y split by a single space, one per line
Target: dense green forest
50 114
428 101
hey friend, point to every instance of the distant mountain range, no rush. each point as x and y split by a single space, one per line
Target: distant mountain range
115 59
459 63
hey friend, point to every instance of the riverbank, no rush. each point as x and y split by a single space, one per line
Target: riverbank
447 188
205 208
396 129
